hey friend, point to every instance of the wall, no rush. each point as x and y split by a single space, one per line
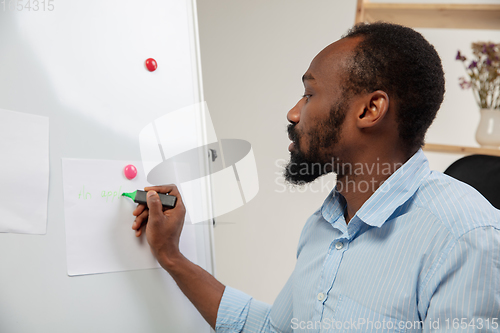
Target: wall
253 56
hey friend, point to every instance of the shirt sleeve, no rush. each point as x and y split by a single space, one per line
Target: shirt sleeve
463 294
239 312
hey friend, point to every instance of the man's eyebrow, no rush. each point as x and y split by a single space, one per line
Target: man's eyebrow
307 77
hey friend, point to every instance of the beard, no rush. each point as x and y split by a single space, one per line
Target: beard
305 167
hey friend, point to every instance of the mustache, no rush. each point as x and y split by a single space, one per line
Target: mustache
292 133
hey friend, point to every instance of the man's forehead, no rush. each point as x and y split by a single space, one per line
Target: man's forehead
332 59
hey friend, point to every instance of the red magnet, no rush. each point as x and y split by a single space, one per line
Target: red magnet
130 171
151 64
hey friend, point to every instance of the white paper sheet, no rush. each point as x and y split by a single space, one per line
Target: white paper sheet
24 172
99 235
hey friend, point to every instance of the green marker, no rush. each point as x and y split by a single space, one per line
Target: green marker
139 197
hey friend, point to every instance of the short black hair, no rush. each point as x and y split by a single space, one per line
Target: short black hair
401 62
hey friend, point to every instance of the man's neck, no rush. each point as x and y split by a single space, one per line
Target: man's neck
363 178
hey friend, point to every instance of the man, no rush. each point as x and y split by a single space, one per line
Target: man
394 247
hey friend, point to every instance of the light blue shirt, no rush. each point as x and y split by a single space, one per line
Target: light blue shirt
422 254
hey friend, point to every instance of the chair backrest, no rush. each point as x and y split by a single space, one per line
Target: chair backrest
481 172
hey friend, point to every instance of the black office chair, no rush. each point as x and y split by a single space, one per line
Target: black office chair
481 172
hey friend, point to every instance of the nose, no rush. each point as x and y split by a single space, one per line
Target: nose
293 115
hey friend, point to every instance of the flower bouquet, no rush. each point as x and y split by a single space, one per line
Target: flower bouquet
484 79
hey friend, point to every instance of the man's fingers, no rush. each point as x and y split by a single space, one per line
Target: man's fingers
139 209
154 205
140 220
154 210
169 189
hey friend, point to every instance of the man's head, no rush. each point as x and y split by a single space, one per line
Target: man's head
378 88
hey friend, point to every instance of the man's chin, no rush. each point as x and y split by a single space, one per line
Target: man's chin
297 174
299 181
301 169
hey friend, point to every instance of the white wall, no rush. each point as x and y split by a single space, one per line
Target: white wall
253 56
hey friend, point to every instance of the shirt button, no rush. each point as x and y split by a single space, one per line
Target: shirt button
339 245
321 296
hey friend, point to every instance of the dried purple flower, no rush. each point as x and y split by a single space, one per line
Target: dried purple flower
460 56
464 84
483 73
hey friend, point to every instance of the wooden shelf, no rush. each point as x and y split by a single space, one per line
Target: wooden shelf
450 16
461 150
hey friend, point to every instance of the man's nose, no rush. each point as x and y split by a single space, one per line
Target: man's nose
293 115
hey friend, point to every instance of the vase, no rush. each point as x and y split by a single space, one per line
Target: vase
488 130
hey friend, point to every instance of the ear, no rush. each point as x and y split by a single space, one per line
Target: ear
373 109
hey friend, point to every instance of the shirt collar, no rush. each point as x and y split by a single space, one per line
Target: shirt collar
395 191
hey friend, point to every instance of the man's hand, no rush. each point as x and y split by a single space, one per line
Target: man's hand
162 226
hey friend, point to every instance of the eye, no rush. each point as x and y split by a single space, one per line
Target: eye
307 96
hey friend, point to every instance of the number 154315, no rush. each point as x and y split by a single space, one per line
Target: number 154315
27 5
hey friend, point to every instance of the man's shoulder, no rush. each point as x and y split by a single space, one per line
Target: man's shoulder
458 206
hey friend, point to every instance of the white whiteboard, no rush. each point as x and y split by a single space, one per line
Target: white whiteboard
82 65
